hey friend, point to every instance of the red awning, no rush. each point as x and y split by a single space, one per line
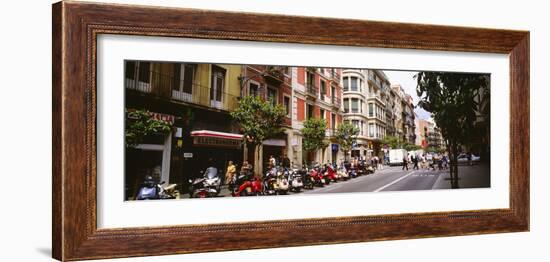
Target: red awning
208 133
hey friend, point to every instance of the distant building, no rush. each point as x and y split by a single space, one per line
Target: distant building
365 103
435 139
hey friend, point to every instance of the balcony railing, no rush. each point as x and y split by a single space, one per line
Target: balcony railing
166 86
335 101
312 90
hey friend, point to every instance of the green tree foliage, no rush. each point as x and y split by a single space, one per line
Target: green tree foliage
411 147
452 98
346 135
392 141
313 134
140 124
258 119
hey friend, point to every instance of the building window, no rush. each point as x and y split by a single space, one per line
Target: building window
310 79
322 113
286 103
309 111
253 89
356 124
138 76
333 121
182 85
371 130
346 83
346 105
323 88
371 109
217 86
272 95
130 69
144 72
354 85
355 105
287 70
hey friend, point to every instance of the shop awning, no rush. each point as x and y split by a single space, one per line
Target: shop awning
209 133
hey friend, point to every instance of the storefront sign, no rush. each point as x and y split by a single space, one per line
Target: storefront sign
216 142
164 117
188 155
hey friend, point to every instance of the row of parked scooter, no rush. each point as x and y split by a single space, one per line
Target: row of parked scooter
277 180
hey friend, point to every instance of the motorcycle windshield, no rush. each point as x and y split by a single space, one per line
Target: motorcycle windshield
211 172
147 193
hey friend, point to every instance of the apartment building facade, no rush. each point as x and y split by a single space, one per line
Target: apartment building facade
196 100
316 93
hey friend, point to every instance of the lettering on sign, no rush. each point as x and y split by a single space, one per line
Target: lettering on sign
216 142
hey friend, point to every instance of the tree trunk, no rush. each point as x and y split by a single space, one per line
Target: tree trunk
453 157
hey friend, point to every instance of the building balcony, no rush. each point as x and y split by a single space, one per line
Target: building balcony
373 81
274 75
173 90
312 91
336 102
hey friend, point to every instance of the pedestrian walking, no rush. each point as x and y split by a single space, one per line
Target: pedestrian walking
230 173
379 162
415 162
424 163
405 163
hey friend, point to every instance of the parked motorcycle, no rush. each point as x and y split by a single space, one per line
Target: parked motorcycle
317 176
248 185
351 170
342 173
296 181
209 185
329 174
307 179
270 182
150 190
282 181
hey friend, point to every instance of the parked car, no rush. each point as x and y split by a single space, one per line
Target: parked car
463 159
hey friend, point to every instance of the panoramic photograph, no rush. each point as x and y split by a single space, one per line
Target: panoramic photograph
204 130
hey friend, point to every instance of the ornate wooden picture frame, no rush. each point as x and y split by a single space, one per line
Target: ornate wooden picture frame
76 26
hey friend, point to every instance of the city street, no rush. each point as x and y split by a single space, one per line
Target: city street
395 179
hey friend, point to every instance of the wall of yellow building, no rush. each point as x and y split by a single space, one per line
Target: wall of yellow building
203 78
162 72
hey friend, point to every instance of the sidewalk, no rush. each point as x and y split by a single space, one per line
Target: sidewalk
476 176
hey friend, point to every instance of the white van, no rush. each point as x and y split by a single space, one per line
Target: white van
396 156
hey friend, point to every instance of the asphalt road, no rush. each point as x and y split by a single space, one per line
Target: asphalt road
387 179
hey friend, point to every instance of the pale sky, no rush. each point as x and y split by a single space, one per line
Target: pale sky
405 79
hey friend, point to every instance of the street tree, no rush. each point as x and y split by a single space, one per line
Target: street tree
313 134
392 142
259 120
452 98
411 147
140 124
346 135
